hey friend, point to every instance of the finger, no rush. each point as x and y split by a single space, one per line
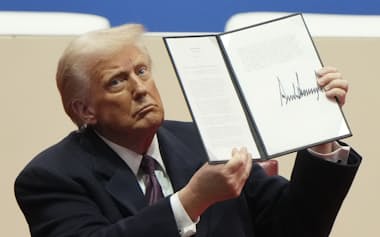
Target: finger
247 169
249 166
339 94
337 83
337 89
237 162
243 173
327 78
234 150
325 70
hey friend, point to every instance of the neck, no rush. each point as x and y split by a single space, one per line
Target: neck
138 142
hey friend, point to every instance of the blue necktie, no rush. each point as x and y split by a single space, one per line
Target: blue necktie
153 191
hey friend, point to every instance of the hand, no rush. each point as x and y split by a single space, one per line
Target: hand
330 79
214 183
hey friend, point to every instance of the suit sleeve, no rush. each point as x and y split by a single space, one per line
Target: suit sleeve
56 206
308 204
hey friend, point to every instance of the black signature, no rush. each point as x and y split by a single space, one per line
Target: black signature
297 92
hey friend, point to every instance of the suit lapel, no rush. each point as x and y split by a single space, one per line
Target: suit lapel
180 161
118 178
124 187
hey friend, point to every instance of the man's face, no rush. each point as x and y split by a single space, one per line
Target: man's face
123 97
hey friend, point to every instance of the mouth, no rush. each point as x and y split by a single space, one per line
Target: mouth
144 110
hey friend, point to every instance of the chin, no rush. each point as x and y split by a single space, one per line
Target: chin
151 121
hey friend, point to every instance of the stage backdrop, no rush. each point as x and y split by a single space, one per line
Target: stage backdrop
189 16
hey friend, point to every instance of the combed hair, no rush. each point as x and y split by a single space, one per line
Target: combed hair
83 54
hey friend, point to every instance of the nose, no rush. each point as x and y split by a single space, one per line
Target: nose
139 89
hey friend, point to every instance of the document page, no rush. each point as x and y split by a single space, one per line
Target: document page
211 96
275 64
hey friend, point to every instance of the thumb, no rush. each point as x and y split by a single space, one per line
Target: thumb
237 160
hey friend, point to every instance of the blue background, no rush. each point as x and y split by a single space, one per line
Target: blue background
191 15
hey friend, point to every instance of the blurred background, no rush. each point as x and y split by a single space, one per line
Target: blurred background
189 16
347 36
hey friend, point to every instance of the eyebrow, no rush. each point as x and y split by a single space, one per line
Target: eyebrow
111 71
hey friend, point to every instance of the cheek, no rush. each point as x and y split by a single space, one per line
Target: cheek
156 94
111 108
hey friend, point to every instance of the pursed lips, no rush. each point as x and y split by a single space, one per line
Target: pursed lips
144 109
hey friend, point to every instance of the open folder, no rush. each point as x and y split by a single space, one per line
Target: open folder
256 87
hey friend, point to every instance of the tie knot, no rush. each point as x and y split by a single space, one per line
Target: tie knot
148 165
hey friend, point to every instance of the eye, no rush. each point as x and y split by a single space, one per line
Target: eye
142 71
116 83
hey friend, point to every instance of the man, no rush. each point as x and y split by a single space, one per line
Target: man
91 184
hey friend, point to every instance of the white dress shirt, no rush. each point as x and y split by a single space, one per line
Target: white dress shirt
185 225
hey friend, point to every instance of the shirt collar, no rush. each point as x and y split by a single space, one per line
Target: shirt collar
133 159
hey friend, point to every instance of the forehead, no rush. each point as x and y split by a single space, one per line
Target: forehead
121 60
125 56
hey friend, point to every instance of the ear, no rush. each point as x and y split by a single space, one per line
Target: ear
83 111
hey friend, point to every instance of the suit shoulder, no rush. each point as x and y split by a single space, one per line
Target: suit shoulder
182 129
57 154
177 123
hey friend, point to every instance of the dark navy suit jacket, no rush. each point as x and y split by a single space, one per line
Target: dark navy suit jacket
80 187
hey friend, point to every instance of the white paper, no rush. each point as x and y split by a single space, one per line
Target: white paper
275 65
212 98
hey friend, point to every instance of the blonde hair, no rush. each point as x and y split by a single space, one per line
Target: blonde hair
84 53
